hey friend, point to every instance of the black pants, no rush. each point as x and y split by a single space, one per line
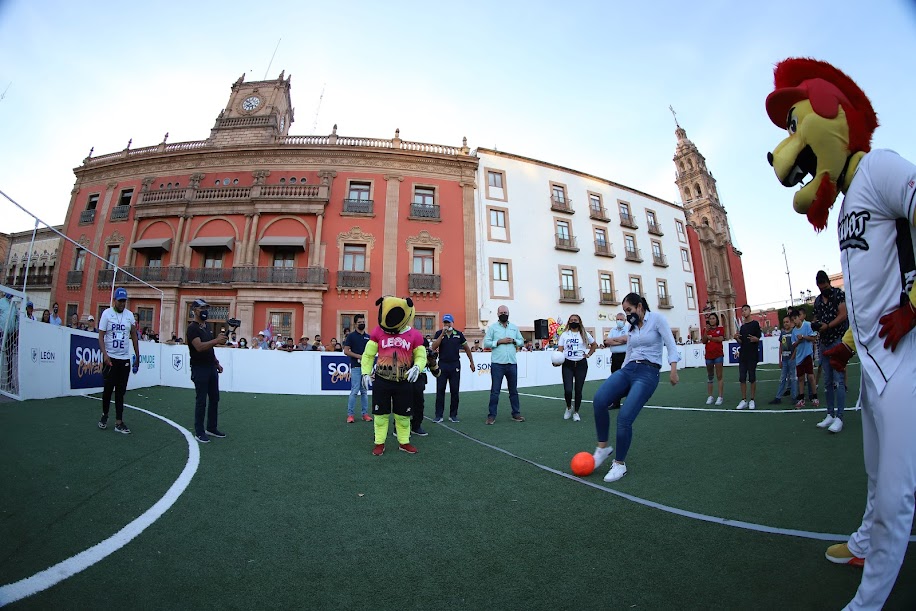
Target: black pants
416 418
392 396
206 383
574 371
115 378
451 375
617 359
747 370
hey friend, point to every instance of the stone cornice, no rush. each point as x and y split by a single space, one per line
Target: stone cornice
264 157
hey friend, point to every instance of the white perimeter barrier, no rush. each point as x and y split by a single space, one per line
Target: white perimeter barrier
57 361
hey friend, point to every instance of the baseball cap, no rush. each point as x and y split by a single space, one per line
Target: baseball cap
822 277
91 317
30 305
448 318
200 303
261 333
120 293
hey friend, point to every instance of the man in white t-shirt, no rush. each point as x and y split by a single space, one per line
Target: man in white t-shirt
116 325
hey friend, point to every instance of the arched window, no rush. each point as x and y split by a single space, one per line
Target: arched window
698 191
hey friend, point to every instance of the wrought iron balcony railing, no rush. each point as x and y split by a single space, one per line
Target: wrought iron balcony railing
75 278
655 229
571 294
604 249
119 213
598 213
358 206
627 220
565 242
424 282
353 280
659 260
608 298
633 254
664 301
208 275
87 217
424 211
561 204
281 275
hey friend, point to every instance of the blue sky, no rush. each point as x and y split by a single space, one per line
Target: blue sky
585 85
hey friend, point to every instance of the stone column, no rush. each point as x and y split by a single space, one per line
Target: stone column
179 242
185 255
244 311
389 268
242 249
315 258
253 240
472 316
131 254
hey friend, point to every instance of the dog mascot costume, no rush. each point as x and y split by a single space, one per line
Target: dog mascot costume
830 123
401 358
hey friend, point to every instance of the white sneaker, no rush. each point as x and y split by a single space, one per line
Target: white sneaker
719 400
709 400
826 422
742 405
837 426
568 414
751 404
601 455
617 471
576 417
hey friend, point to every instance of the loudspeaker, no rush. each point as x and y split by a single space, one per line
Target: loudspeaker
541 329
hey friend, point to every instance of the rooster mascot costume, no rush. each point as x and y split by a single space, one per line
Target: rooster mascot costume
830 123
401 358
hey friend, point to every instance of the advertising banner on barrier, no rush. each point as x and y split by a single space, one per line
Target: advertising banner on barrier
734 349
85 362
335 372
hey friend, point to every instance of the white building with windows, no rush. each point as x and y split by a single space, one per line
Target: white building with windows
554 241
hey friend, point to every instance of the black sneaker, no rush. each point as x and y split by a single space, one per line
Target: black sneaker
202 438
103 422
454 419
216 433
419 431
122 428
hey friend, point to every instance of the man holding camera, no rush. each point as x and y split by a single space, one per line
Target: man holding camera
205 370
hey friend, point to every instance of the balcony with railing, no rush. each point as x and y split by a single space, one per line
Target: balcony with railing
571 294
655 229
153 275
358 206
565 242
74 278
87 217
608 298
664 302
119 213
659 260
208 275
561 204
598 213
34 281
353 280
308 276
424 283
104 277
424 211
627 220
633 254
604 249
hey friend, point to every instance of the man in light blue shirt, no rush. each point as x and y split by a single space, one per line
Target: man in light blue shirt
504 339
55 318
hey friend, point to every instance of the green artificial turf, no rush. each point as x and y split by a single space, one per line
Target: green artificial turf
292 510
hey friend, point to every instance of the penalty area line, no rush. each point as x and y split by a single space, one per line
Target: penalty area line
762 528
49 577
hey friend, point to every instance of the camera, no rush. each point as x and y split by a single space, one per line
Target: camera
233 324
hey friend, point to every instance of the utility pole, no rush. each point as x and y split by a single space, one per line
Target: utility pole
789 276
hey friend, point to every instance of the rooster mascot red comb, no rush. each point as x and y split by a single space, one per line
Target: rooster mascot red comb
830 123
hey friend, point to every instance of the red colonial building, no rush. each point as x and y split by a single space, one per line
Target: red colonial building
302 232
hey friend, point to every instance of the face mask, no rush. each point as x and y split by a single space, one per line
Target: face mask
361 326
620 324
204 314
503 318
633 318
573 325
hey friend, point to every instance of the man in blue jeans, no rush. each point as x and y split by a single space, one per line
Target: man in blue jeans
503 338
353 347
205 370
787 378
830 320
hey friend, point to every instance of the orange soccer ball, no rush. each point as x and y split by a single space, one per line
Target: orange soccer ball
582 464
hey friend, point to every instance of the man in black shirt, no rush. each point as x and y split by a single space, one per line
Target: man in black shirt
205 370
749 335
449 342
353 347
830 320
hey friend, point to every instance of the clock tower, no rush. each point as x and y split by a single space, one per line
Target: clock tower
258 112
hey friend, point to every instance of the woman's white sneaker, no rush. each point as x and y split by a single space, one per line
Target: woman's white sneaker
576 417
742 405
617 471
826 422
601 455
709 400
751 404
567 414
837 426
719 400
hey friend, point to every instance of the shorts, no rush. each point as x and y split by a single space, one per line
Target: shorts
388 396
747 371
805 367
716 361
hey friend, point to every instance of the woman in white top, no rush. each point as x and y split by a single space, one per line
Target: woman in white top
573 343
636 380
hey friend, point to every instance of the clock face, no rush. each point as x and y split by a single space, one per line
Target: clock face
251 102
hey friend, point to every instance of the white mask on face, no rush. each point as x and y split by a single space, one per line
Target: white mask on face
620 324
